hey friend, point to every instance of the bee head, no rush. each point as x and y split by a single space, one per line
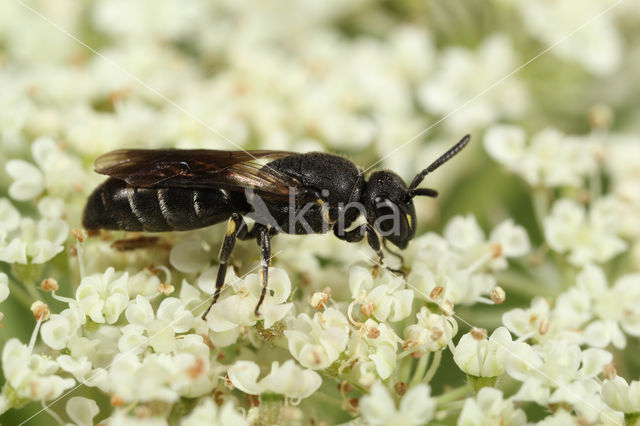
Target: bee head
389 202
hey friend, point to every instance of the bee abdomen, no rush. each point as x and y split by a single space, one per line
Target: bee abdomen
117 206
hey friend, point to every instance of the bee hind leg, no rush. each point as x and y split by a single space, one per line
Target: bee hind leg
235 225
264 239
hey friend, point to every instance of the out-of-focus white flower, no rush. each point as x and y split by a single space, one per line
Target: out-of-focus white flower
122 418
386 297
317 342
31 376
587 238
597 46
416 407
23 240
28 180
551 158
9 215
208 413
58 172
462 74
82 410
481 357
506 144
189 256
103 297
78 367
620 395
512 239
4 286
489 407
288 380
432 332
51 207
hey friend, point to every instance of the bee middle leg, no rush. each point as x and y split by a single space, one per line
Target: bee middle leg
235 226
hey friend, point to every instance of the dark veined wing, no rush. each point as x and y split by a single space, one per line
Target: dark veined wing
200 168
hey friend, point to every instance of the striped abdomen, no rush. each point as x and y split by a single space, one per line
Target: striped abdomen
118 206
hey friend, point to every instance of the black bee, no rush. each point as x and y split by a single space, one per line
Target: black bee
160 190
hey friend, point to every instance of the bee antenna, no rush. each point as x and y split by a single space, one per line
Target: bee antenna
427 192
439 162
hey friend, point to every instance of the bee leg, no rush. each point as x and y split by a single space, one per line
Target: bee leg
396 254
264 238
357 234
235 225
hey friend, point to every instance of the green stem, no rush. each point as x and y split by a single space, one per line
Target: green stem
540 206
418 374
19 293
326 399
434 367
454 394
522 285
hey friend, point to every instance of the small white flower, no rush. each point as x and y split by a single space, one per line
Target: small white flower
157 330
489 407
463 233
28 180
79 367
483 357
513 239
51 207
432 332
317 342
463 74
387 295
9 215
30 375
82 410
237 310
60 328
416 407
208 413
103 297
568 228
288 380
620 395
506 144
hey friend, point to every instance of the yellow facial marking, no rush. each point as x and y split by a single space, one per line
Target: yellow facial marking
409 220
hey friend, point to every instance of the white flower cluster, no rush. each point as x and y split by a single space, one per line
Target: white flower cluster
550 270
463 261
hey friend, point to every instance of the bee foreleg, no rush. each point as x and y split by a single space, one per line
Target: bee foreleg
235 225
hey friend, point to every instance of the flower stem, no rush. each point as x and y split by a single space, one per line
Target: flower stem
418 374
434 367
454 394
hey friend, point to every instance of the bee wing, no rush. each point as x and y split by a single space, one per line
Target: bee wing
200 168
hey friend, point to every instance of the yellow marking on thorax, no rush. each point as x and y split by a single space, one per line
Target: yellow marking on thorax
231 228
